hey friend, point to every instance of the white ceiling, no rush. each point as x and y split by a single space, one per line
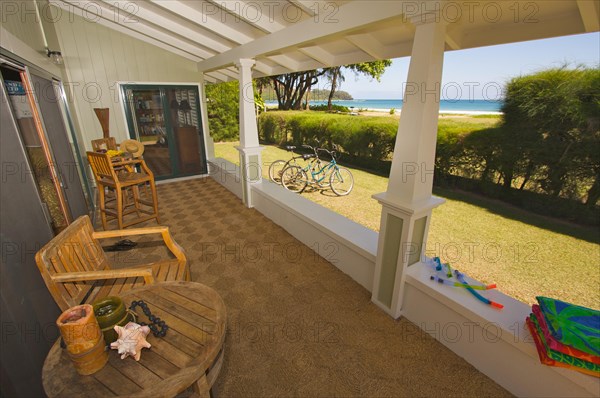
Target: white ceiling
295 35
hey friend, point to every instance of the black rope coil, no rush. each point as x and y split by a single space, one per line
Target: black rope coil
156 322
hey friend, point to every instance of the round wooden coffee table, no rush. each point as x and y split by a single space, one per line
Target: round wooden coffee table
190 354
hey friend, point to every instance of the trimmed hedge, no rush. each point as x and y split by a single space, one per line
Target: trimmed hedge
369 138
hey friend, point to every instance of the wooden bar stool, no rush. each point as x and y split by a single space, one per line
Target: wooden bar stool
145 206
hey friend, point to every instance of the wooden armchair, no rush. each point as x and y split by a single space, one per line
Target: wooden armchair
76 269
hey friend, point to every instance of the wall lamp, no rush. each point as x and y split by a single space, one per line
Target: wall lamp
55 56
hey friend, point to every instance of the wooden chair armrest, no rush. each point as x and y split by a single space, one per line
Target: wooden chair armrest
126 162
164 231
129 232
145 272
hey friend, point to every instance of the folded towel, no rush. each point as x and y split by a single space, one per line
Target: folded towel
548 357
557 345
572 325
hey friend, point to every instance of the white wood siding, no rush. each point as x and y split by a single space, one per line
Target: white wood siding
96 58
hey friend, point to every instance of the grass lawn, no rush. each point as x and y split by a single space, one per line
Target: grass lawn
527 255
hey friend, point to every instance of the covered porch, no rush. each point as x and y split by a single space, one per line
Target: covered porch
297 325
317 304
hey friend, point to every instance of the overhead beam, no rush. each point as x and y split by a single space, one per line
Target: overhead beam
318 54
451 42
133 33
590 14
253 13
205 39
284 61
305 6
350 16
205 19
368 44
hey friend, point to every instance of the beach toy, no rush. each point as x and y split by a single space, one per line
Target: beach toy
458 284
438 263
461 278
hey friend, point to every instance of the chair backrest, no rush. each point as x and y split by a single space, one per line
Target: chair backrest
72 250
104 143
101 166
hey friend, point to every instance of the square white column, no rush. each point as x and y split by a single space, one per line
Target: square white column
408 202
249 148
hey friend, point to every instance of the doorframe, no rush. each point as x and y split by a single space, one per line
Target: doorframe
200 109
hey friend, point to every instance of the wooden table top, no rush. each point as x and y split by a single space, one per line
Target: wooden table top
196 318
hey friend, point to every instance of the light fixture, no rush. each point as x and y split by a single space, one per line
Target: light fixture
55 56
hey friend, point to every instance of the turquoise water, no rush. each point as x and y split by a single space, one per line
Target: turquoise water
450 106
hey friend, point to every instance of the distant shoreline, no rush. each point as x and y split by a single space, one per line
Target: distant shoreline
386 112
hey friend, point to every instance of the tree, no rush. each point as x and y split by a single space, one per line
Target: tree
223 110
373 69
291 88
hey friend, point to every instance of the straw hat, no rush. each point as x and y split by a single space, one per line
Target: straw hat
134 147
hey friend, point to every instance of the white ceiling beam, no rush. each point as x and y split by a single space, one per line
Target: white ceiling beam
181 27
306 6
219 76
263 68
127 31
350 16
261 15
231 73
284 61
452 41
318 54
367 43
590 14
205 18
512 33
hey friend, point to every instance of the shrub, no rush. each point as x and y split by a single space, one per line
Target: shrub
334 107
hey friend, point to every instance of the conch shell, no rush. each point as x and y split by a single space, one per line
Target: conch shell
131 340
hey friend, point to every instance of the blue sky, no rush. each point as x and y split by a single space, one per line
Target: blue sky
488 67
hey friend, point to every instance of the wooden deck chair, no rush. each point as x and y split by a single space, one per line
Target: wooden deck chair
76 269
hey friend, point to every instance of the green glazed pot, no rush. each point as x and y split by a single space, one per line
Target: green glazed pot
111 311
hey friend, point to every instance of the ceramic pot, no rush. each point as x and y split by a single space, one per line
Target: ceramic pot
111 311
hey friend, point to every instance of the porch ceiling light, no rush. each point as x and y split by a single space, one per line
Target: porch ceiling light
55 56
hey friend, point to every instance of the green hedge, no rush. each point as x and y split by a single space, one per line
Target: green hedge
369 138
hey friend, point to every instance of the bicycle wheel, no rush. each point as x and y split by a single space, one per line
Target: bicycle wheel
275 170
341 181
294 179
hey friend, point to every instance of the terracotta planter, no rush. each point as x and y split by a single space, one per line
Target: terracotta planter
111 311
83 338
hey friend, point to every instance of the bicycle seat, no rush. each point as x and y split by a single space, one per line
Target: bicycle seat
307 156
290 147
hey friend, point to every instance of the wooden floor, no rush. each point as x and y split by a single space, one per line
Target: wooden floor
297 326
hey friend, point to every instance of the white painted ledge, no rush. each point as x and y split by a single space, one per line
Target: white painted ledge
349 246
496 342
226 174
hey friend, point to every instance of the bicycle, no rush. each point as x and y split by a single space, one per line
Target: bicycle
277 167
295 178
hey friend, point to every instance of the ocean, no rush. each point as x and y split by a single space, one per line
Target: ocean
473 107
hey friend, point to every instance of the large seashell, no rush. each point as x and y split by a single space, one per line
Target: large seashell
131 340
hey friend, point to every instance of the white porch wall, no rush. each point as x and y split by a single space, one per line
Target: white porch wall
96 58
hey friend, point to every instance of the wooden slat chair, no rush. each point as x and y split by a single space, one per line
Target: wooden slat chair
104 144
107 178
76 270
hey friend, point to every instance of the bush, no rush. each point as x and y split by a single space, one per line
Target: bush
369 138
223 110
334 107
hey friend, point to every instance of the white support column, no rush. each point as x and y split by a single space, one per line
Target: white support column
250 157
407 204
208 141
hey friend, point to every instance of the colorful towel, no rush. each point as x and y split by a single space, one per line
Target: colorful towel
557 345
572 325
550 358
